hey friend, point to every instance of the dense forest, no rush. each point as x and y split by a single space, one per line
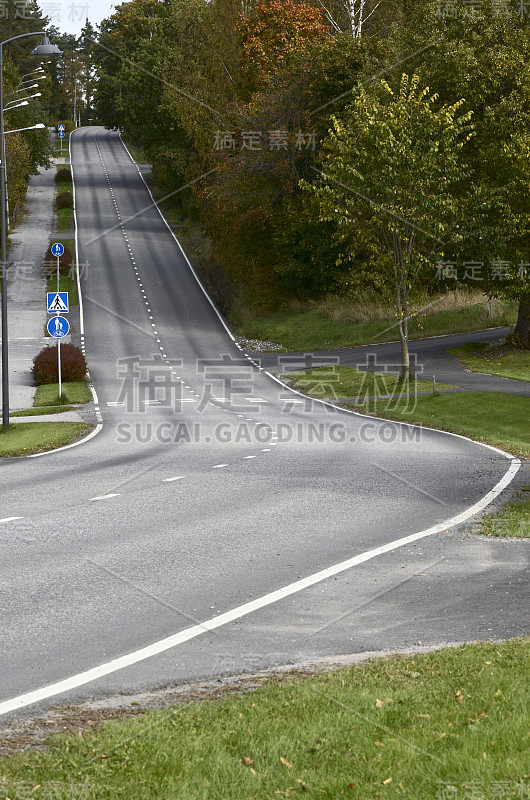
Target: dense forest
326 146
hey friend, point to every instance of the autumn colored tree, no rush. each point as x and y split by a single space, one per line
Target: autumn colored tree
270 34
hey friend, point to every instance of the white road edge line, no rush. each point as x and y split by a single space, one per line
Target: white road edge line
99 418
10 519
109 667
223 323
104 496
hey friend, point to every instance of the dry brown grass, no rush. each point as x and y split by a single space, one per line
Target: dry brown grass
367 308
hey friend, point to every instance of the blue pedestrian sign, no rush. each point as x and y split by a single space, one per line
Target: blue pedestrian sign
57 249
57 302
60 127
61 134
58 327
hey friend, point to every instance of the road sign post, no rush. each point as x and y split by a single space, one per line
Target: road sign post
58 303
60 134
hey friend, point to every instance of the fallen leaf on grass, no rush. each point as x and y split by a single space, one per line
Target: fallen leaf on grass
287 763
379 703
425 716
459 697
388 780
379 744
351 786
246 760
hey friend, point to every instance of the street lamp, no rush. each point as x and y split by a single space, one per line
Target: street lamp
45 48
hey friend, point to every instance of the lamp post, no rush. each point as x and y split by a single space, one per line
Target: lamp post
43 49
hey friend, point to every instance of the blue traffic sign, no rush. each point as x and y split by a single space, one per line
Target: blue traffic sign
60 127
57 302
58 327
61 134
57 249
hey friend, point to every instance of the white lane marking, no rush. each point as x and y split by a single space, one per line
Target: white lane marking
166 223
250 456
104 496
114 403
266 450
256 400
10 519
90 675
218 466
176 478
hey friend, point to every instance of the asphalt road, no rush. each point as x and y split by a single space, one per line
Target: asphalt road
210 486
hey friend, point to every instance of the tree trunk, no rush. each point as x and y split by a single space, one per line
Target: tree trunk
521 334
402 309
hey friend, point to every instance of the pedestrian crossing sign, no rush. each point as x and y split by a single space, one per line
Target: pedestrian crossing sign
57 302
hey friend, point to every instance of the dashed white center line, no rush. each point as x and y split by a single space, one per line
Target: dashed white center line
105 496
266 450
250 456
176 478
10 519
218 466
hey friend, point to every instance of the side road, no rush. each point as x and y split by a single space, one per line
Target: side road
26 293
431 359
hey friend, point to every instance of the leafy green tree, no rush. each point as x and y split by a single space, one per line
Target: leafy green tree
484 56
391 175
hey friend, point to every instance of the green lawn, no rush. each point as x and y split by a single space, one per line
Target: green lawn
72 392
338 381
315 329
23 438
399 728
502 420
494 359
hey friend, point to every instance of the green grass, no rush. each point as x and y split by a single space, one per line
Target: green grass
338 381
316 329
35 412
511 521
66 284
502 420
23 438
65 219
136 152
74 392
394 728
494 359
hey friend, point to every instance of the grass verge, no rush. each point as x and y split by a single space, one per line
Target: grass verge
325 326
502 420
72 392
400 727
338 381
511 521
24 438
35 412
65 219
495 359
66 284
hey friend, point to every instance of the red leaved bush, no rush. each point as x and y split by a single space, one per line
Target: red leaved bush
73 365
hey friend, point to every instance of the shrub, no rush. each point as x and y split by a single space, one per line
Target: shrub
63 175
65 264
73 365
64 200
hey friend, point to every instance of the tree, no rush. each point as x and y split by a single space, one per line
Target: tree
391 175
484 55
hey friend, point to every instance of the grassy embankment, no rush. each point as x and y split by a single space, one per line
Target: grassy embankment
337 322
394 728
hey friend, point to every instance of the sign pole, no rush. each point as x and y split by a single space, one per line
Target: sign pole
59 360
